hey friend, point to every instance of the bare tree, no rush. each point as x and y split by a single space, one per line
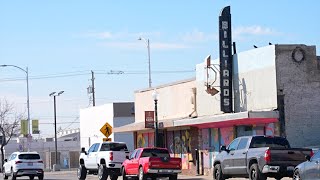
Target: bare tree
9 124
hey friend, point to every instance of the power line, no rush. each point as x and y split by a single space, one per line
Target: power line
62 75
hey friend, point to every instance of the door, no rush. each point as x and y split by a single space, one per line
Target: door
135 162
312 167
240 157
92 156
129 162
227 163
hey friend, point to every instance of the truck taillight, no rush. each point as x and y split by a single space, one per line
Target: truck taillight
311 154
267 156
150 164
111 156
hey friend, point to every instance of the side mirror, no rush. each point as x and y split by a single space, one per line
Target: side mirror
5 160
223 148
308 157
127 157
83 150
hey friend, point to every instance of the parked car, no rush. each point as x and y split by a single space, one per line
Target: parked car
309 169
151 162
23 164
258 157
104 159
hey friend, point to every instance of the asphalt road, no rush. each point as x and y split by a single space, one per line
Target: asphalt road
72 175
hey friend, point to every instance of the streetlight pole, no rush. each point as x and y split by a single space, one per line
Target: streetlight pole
156 136
28 100
55 124
149 63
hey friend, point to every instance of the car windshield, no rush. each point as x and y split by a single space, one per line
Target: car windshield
261 141
113 147
155 153
29 156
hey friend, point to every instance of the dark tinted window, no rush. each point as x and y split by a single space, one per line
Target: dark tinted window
155 153
29 156
243 143
261 141
113 147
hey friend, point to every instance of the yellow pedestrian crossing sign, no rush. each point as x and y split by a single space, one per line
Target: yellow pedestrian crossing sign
106 129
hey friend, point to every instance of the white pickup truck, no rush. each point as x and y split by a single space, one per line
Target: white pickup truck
104 159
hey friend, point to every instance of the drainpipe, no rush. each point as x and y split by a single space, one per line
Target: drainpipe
194 113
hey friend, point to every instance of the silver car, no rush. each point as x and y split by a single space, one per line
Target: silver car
309 169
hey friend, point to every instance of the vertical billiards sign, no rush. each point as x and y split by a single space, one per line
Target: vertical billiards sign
225 60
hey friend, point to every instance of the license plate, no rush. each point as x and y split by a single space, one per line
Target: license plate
30 163
290 168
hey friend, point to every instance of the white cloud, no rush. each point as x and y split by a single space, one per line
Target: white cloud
254 30
198 36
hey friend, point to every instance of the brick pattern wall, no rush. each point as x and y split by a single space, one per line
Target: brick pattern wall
300 85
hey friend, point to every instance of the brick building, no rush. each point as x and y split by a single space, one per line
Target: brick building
276 91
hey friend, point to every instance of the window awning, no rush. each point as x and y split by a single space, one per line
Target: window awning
231 119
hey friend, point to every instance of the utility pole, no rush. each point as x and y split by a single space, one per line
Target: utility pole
93 95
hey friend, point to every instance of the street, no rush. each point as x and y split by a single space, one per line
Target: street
71 175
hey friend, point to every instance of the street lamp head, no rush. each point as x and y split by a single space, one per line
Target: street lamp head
3 65
60 93
139 38
51 94
155 95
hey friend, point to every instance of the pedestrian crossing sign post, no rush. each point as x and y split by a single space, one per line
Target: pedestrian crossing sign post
107 139
106 129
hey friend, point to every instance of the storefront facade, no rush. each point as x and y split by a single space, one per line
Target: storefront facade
192 125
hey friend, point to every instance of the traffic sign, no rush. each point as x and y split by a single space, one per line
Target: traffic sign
106 129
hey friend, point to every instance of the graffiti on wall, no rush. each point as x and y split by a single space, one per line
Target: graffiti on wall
205 148
140 140
227 135
214 144
179 145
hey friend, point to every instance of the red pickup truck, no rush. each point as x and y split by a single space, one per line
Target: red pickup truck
152 163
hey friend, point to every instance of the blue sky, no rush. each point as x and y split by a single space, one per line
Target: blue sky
71 38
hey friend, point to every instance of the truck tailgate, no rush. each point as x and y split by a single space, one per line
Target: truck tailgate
119 156
164 163
291 156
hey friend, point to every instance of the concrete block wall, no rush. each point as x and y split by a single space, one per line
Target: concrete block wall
299 82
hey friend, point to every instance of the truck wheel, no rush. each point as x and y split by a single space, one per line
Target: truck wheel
255 173
13 175
102 172
141 175
124 175
296 175
173 177
217 172
40 177
31 177
113 177
4 174
81 172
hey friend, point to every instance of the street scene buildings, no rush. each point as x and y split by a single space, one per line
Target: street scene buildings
270 90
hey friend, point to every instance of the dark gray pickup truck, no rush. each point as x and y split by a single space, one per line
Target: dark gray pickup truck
258 157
